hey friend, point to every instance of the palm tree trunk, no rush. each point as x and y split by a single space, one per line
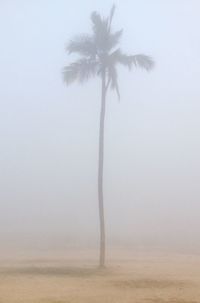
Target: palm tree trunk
100 174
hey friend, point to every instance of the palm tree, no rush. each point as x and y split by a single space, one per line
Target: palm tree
99 56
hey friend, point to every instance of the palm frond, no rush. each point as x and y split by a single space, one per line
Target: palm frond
80 70
113 79
96 19
142 61
99 24
115 57
100 32
112 12
114 39
83 45
104 39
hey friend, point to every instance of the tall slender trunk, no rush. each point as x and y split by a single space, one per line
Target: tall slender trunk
100 174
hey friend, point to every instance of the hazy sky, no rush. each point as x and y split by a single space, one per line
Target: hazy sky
49 132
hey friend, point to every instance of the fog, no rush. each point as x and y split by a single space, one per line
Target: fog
49 132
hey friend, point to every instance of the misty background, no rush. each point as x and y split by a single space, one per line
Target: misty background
49 132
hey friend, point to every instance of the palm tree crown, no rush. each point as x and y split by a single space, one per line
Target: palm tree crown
100 54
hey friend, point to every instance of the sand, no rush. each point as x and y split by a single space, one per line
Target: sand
128 278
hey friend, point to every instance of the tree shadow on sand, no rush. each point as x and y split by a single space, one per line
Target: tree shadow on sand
54 271
150 283
170 301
